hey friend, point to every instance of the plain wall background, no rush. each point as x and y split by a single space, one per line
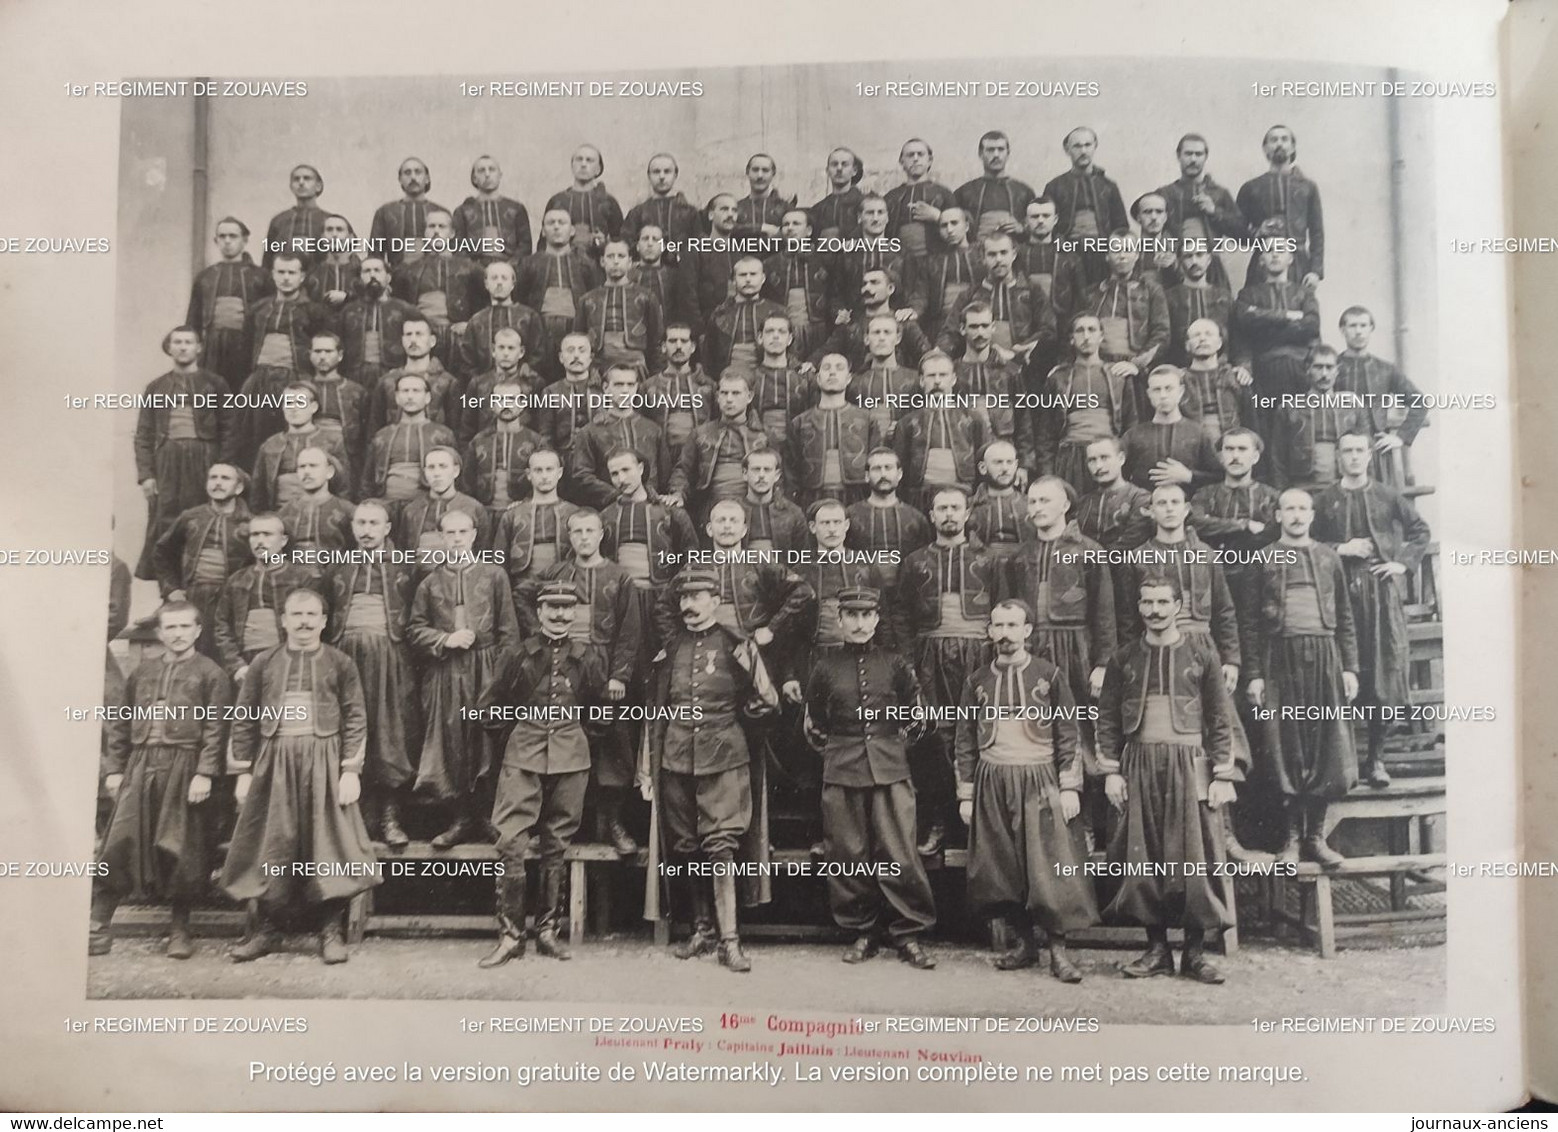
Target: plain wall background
357 131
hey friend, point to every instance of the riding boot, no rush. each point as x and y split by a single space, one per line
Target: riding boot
180 945
703 939
553 912
1156 960
511 920
730 953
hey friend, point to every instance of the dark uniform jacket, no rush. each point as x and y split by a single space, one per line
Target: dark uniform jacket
847 697
919 585
1271 607
194 682
336 708
615 625
476 343
232 609
713 675
545 674
178 550
342 581
212 422
805 448
671 535
481 467
1113 516
1081 593
1198 702
720 330
643 329
387 316
1399 533
1207 597
593 443
489 609
1043 688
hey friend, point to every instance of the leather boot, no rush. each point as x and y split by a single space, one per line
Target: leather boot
1315 848
394 836
552 913
1061 964
511 920
703 939
1374 773
460 830
935 838
1156 960
1025 954
1231 845
180 944
1193 963
332 940
609 822
262 940
100 936
730 954
1293 811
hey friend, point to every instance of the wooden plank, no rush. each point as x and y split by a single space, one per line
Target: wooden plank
1325 916
578 891
481 851
440 924
1371 866
1404 915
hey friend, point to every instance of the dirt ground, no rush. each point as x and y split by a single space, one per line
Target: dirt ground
1264 980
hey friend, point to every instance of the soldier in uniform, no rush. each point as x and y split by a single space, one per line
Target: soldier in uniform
1019 792
939 445
555 280
283 326
399 225
838 213
1284 193
914 208
315 518
487 215
883 525
773 521
761 212
1052 273
370 607
609 623
1395 404
175 445
1113 514
984 372
418 343
508 367
665 208
646 537
621 317
221 300
945 591
1164 742
709 467
733 330
681 396
868 802
1133 315
298 751
882 386
418 519
802 282
1302 669
497 463
370 326
618 425
203 548
595 214
1275 322
782 391
393 469
342 403
1090 203
539 691
159 770
1199 209
1309 426
276 481
502 312
1192 298
696 768
1167 448
446 287
1082 401
532 533
565 405
826 446
248 614
1381 539
462 620
998 512
1215 392
1022 321
994 202
305 220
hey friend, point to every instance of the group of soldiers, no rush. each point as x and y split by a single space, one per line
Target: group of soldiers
1007 516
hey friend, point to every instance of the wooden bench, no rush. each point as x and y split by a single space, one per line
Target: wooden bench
362 919
1317 891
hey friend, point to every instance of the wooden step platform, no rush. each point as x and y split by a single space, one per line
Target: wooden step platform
1317 918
